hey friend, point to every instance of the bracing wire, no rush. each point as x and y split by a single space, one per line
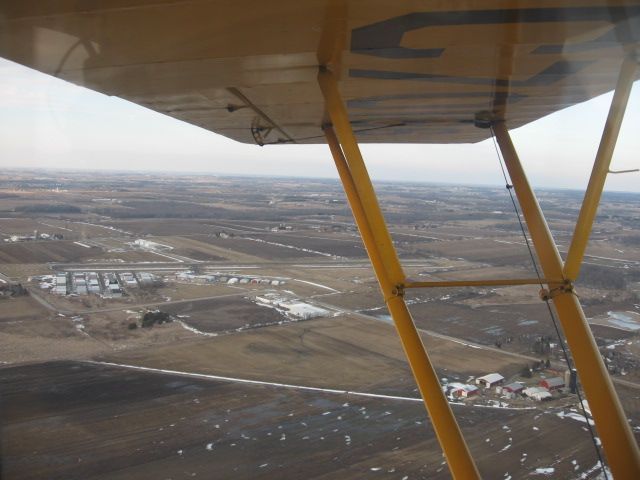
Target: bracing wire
546 301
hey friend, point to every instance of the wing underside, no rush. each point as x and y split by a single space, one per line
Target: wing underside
410 71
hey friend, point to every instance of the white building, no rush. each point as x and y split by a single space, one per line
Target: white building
537 393
490 380
304 310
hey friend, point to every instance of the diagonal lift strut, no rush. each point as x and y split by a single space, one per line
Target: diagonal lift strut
617 439
373 229
613 428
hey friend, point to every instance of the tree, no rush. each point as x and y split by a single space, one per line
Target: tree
526 372
151 318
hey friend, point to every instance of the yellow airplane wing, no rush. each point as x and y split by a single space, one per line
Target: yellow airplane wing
410 71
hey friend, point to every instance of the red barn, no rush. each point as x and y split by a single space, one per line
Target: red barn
553 383
515 387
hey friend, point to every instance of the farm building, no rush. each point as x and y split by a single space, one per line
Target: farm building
515 387
490 380
145 278
461 390
94 284
60 287
537 393
129 279
553 383
303 310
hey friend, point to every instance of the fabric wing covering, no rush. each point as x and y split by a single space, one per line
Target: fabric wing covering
410 71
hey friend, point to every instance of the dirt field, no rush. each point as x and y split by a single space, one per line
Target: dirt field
72 420
261 250
224 314
106 422
15 310
43 252
340 352
64 252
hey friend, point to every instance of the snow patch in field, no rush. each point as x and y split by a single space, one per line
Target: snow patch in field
546 471
316 285
575 416
196 331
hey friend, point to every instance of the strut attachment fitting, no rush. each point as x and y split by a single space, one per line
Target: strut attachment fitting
398 290
483 119
567 287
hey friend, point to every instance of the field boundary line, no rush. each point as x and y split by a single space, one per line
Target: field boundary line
287 385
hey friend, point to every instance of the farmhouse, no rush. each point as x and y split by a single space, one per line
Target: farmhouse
490 380
554 383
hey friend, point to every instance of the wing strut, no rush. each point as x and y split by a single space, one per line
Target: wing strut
618 441
375 235
600 168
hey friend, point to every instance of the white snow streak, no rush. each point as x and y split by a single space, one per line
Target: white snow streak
282 385
317 285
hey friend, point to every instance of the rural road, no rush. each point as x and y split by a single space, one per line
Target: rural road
52 308
467 343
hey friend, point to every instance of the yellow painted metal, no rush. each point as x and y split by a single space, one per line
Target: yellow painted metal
377 240
481 283
600 169
618 442
358 210
342 126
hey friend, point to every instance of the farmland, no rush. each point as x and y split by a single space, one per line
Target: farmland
232 327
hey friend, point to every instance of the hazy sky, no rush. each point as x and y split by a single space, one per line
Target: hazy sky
45 122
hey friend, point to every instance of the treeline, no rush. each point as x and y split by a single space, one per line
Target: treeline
48 208
135 210
12 290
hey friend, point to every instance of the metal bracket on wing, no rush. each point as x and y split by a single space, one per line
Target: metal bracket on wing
262 125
